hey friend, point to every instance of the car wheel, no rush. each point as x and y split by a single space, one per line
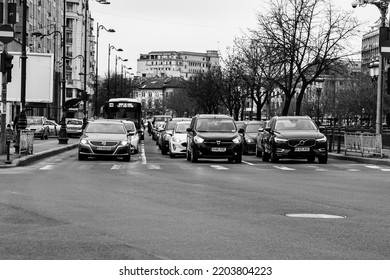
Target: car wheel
311 159
194 158
238 158
258 152
323 159
126 158
82 157
265 156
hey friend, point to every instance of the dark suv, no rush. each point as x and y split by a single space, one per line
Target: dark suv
214 136
294 137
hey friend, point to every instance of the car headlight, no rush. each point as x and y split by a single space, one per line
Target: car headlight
84 141
249 140
124 142
321 140
237 140
198 140
280 140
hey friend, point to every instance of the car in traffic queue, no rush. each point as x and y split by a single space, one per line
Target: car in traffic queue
178 141
104 138
249 136
38 125
156 129
133 135
260 139
214 136
54 128
74 127
294 137
166 134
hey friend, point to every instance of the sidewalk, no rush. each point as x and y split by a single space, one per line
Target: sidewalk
50 147
41 149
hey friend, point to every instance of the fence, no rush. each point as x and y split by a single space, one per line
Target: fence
363 142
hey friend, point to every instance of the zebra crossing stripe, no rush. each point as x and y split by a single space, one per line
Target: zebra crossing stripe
47 167
219 167
283 168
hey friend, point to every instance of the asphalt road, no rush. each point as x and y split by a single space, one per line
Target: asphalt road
155 207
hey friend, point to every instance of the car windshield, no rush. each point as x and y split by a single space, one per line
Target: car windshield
215 125
182 127
109 128
32 121
76 122
295 124
252 128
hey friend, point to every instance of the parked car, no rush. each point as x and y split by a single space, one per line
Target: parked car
38 125
133 136
104 138
214 136
178 142
156 129
249 136
294 137
54 128
166 134
74 127
260 139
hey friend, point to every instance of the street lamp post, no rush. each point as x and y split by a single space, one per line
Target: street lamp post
319 83
97 64
108 72
116 67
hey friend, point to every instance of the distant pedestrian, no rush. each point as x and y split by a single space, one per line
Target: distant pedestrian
149 128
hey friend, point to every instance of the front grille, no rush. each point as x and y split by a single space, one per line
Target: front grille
100 143
301 142
216 143
102 152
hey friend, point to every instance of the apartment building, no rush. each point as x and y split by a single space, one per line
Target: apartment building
182 64
44 28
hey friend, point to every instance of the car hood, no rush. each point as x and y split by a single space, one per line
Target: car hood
105 137
299 134
218 135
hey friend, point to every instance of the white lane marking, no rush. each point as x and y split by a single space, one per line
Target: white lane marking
283 168
219 167
143 155
47 167
249 163
353 170
321 169
154 166
116 166
373 166
385 169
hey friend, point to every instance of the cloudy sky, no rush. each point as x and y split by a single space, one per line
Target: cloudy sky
181 25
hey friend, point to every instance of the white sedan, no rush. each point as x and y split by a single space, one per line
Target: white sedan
178 141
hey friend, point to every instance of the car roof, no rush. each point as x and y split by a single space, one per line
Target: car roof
291 117
108 121
208 116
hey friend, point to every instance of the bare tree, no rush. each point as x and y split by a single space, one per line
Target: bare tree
304 38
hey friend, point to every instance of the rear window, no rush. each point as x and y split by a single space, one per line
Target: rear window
105 128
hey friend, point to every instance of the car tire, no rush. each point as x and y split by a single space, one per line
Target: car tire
311 159
258 152
323 159
126 158
82 157
194 158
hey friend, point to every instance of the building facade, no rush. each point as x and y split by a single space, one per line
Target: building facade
181 64
44 28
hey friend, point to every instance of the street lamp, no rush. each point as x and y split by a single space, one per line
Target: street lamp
126 68
116 64
382 5
97 64
319 84
374 69
109 54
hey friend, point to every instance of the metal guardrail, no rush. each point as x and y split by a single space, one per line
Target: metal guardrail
363 142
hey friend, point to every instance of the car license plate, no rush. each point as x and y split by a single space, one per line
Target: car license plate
218 149
103 148
302 149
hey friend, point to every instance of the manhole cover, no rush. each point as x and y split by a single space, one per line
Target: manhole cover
315 216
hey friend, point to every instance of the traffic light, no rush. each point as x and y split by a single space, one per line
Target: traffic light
6 65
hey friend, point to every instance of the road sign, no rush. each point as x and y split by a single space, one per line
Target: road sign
7 33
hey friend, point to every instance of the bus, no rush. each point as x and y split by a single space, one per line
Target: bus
123 109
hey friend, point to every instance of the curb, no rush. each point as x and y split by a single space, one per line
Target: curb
24 161
360 159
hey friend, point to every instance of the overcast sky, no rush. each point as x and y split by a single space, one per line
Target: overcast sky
181 25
